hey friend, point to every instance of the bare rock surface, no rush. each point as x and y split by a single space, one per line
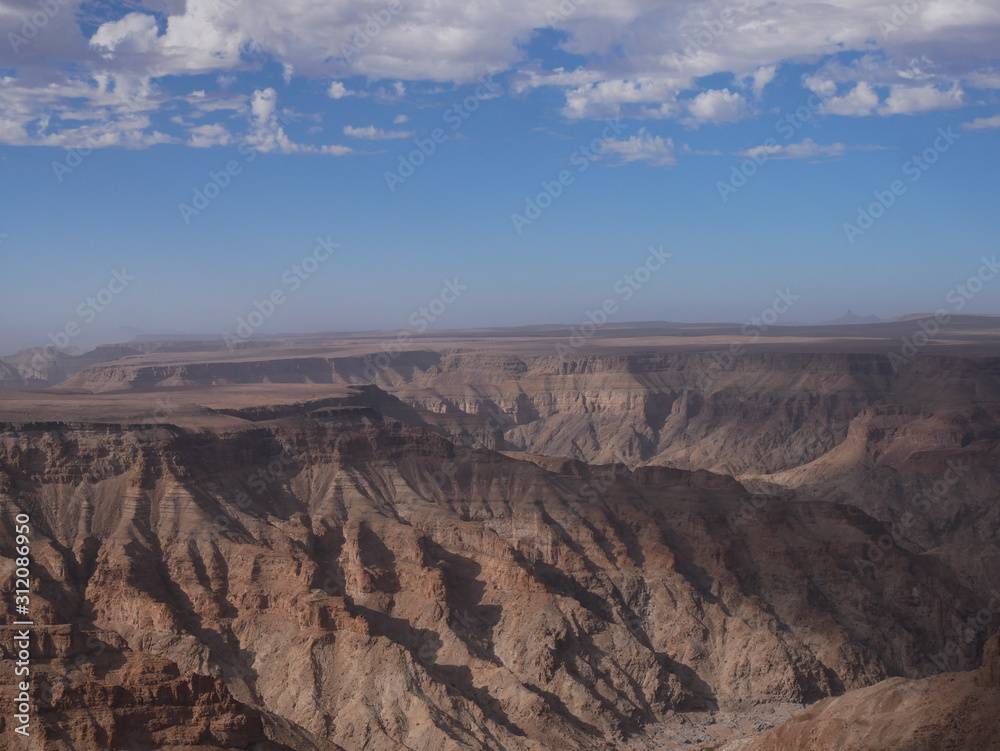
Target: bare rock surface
946 712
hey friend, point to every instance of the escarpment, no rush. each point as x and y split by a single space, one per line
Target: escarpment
483 545
378 585
852 427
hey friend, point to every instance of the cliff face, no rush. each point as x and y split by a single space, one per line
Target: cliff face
336 574
94 692
952 710
39 367
844 427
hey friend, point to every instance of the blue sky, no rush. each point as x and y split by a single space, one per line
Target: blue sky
420 138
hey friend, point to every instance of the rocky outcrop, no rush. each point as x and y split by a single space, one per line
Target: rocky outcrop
948 711
90 691
40 367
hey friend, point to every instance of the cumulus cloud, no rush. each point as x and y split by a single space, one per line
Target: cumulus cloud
588 97
128 132
372 133
105 111
806 149
761 78
642 147
902 98
202 39
134 32
907 100
983 123
210 134
337 90
636 59
267 132
861 100
717 106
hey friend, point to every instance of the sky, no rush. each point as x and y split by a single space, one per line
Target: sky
239 168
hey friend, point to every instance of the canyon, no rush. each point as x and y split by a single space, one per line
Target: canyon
659 536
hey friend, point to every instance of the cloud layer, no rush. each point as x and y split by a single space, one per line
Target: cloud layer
70 74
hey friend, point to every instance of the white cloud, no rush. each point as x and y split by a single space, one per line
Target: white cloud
375 134
718 106
337 90
12 133
262 105
859 101
203 102
204 38
761 78
806 149
104 111
643 147
267 132
819 84
134 32
128 132
983 123
600 99
204 136
907 100
400 119
638 58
